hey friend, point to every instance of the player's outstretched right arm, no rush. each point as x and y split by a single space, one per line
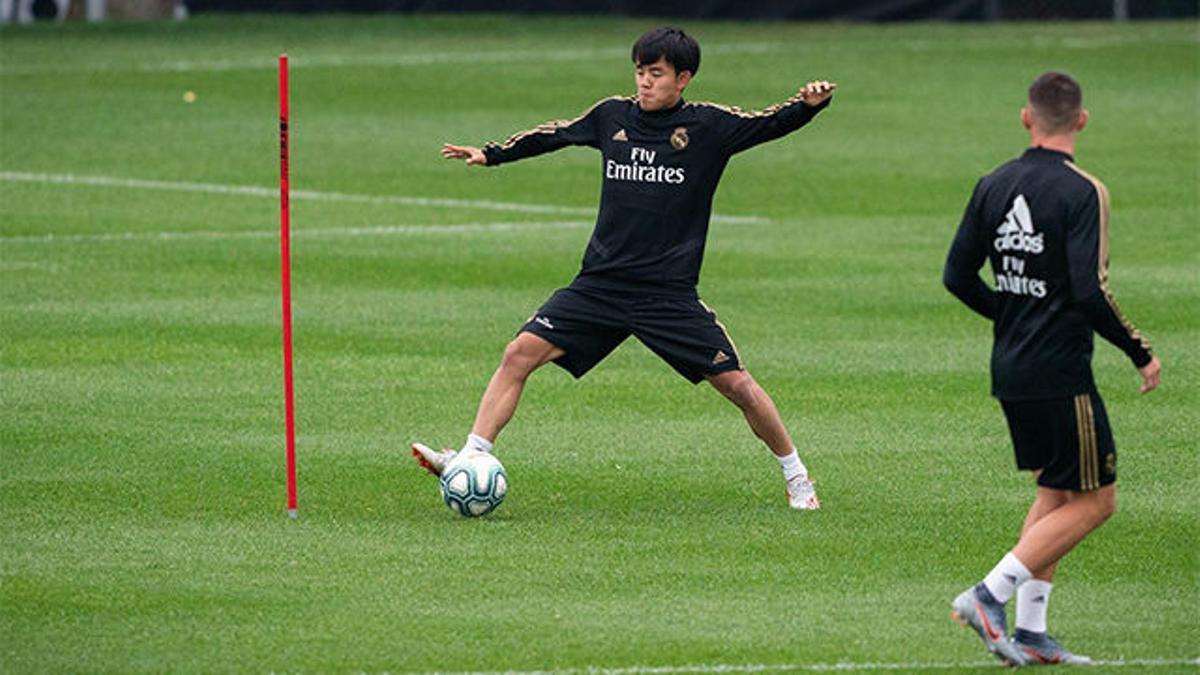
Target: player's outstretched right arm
473 156
539 140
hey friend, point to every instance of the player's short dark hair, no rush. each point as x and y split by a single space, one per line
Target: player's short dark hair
677 47
1056 100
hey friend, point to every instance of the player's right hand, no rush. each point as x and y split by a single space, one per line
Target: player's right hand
474 156
817 91
1151 374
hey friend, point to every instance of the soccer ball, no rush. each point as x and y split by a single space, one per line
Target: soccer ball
474 484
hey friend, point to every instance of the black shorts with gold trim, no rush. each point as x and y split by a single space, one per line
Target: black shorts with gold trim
1068 439
589 323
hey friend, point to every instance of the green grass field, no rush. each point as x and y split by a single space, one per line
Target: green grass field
142 495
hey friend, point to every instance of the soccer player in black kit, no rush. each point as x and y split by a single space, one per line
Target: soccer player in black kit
661 159
1042 223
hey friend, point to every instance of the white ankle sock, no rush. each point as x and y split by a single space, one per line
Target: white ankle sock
477 443
1033 597
791 465
1004 578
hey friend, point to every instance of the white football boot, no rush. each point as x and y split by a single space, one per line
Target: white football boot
802 494
433 461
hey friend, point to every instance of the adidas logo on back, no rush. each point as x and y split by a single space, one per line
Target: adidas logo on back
1016 232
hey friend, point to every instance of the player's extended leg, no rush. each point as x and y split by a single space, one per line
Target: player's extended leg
758 408
764 419
525 354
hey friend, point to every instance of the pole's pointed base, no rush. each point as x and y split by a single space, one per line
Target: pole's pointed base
293 514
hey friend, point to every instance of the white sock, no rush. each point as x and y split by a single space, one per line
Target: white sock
792 466
1004 578
1033 597
477 443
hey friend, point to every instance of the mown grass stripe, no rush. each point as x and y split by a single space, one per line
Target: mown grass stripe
314 195
302 233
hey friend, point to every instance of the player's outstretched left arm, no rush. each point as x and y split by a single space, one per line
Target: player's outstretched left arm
742 130
473 156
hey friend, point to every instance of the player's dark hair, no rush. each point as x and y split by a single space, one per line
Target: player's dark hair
1056 100
676 46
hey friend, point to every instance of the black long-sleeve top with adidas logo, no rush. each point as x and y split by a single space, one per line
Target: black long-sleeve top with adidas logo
1042 222
660 171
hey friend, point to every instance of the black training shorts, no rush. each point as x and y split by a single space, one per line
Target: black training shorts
589 323
1067 438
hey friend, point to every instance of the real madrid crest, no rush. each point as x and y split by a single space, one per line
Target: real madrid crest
1110 464
679 138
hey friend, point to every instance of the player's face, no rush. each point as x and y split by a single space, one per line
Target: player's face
658 85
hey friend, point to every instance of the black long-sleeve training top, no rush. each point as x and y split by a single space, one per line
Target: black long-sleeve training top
660 170
1042 222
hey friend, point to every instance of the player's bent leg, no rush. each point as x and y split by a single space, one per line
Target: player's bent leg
1046 502
525 354
1055 534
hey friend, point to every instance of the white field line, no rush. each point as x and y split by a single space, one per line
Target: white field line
313 195
841 666
387 60
297 233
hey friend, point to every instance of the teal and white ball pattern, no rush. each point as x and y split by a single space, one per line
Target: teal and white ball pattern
474 484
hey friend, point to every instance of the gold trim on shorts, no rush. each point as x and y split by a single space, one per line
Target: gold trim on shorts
1089 457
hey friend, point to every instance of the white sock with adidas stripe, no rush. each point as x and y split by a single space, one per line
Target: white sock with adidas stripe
1033 597
1006 576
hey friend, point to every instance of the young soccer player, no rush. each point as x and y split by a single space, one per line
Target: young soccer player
662 158
1042 222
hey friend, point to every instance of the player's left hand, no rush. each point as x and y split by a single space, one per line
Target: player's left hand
817 92
1151 375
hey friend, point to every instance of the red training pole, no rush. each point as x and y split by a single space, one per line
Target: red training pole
286 281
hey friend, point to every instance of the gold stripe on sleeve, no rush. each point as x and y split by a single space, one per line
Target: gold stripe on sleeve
1102 258
554 125
749 114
